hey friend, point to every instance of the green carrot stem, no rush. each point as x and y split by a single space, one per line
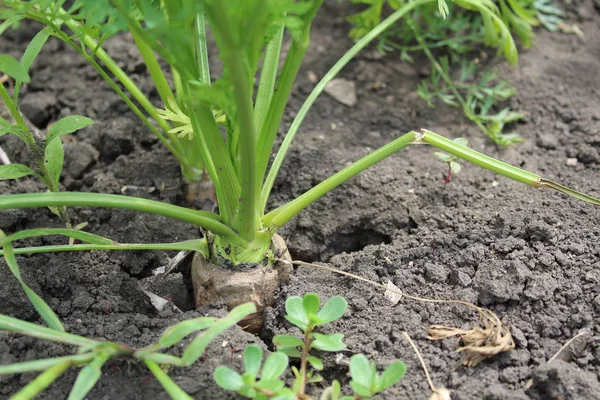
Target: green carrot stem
487 162
156 72
268 76
186 245
204 219
202 49
283 214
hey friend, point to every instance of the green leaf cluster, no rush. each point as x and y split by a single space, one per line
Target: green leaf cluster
366 382
263 381
454 30
48 153
259 381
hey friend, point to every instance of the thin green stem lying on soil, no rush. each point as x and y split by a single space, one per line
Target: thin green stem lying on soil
193 245
479 159
203 219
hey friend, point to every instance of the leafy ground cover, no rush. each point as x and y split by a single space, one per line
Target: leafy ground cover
433 217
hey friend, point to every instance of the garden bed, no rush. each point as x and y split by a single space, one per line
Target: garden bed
533 257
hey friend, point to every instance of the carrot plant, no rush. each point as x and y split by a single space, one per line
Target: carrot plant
448 34
231 123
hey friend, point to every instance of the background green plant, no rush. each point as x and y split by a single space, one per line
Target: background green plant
47 152
306 313
449 34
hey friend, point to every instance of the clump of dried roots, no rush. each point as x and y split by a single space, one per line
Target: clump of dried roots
491 337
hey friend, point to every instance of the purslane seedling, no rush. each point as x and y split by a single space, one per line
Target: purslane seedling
265 381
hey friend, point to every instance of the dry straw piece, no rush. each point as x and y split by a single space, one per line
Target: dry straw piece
478 343
439 393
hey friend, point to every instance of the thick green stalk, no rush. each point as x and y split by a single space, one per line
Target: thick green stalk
487 162
283 214
285 83
350 54
278 103
156 72
216 158
247 219
204 219
232 52
268 76
202 50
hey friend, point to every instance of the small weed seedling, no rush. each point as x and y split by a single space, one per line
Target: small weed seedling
455 30
306 314
454 166
47 151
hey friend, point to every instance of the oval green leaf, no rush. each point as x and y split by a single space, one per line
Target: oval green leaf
391 375
13 68
332 342
252 359
54 158
315 362
286 341
14 171
66 125
228 379
361 371
275 365
295 312
333 309
311 303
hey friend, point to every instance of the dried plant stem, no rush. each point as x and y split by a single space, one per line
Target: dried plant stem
567 344
416 298
420 357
